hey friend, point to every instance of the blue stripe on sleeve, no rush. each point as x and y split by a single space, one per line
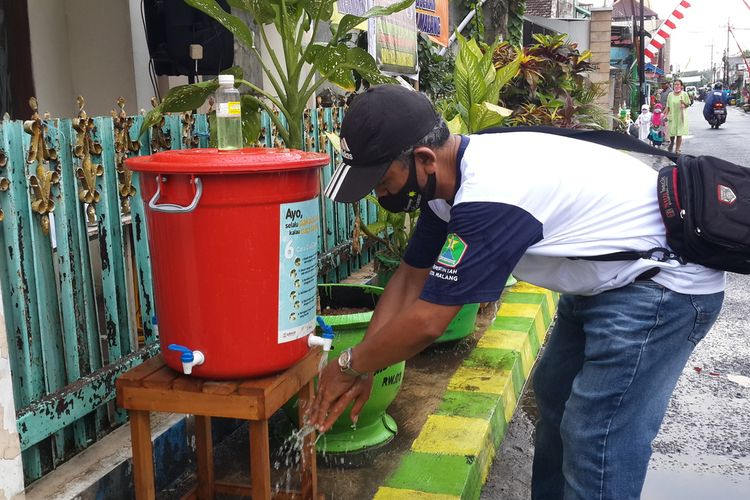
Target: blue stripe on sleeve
485 241
428 238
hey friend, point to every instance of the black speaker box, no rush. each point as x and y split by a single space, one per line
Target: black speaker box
172 26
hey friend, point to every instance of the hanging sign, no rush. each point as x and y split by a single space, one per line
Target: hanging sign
392 40
432 20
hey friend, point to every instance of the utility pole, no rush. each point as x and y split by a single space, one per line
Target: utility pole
641 59
726 59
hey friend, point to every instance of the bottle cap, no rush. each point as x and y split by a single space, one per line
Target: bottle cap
226 79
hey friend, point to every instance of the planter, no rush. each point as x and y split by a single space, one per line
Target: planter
374 427
385 266
461 326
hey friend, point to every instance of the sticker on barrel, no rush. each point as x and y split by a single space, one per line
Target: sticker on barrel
298 269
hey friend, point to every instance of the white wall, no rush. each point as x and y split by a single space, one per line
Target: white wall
143 88
50 61
80 47
576 29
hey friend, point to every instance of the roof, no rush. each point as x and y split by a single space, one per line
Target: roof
623 9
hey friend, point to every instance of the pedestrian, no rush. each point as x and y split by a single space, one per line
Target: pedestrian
643 123
677 122
666 88
656 134
526 202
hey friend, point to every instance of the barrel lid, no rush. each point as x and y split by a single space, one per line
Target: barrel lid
213 161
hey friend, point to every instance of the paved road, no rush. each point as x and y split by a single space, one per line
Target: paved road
703 449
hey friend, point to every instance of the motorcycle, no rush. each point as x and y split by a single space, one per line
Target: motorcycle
718 115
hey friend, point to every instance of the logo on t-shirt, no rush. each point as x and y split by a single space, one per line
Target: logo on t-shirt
453 251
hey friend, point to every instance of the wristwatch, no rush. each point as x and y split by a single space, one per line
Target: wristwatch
345 364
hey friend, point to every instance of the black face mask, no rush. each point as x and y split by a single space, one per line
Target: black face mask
411 196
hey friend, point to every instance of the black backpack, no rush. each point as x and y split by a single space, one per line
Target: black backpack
704 203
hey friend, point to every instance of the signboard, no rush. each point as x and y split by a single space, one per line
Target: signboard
392 40
432 19
355 7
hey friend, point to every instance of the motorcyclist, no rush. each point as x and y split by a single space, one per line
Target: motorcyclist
717 95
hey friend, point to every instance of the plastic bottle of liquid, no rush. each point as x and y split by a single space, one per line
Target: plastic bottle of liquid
228 114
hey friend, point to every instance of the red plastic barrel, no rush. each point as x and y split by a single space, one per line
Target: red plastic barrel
234 239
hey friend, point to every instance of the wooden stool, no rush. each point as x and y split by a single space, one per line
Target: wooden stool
153 386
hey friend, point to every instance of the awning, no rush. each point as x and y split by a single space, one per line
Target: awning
654 69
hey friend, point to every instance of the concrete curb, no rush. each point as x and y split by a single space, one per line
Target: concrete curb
452 455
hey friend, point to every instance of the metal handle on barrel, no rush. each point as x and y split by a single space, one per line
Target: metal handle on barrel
171 208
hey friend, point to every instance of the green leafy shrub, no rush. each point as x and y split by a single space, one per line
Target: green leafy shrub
550 86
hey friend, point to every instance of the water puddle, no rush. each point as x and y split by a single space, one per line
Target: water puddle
689 485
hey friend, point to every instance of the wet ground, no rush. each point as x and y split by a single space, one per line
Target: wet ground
425 381
702 451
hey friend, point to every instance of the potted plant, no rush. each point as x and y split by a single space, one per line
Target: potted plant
291 72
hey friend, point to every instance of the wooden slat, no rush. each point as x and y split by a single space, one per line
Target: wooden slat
243 407
20 290
308 464
201 130
205 457
260 459
143 466
134 376
47 415
48 303
115 286
139 230
280 388
74 237
160 379
20 297
78 310
328 214
223 388
234 489
188 384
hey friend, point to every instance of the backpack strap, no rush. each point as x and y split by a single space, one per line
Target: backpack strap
614 140
607 138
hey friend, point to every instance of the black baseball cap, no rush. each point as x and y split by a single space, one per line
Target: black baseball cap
380 124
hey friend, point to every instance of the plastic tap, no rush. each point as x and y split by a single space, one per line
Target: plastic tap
188 357
325 340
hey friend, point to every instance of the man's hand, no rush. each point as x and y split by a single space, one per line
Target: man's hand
335 391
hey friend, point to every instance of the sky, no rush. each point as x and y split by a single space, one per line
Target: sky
705 23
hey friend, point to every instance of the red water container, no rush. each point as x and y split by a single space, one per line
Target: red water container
234 240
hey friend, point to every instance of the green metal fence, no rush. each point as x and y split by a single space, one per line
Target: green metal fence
76 274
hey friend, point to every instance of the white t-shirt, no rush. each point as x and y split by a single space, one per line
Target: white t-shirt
527 201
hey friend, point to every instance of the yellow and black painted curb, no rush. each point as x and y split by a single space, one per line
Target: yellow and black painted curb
452 455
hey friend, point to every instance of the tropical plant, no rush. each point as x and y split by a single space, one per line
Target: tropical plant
474 107
550 86
392 230
291 72
516 10
475 29
435 70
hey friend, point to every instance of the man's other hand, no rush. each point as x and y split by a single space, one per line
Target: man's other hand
336 390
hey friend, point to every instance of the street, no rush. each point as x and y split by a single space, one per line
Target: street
703 448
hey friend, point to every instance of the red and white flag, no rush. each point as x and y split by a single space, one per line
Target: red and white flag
661 35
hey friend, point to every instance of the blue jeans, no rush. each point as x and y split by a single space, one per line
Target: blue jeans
603 384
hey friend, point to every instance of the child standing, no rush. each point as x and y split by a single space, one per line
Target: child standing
656 130
643 122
